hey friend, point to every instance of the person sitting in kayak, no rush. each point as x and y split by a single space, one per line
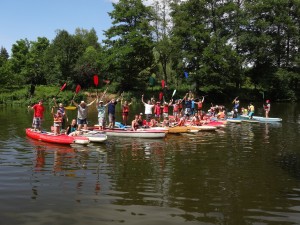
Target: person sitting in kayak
72 127
195 121
58 118
135 122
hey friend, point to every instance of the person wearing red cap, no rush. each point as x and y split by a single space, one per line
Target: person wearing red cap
267 108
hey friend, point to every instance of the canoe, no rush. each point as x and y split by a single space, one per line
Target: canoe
95 136
135 134
262 119
57 139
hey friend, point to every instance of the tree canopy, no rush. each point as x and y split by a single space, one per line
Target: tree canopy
208 46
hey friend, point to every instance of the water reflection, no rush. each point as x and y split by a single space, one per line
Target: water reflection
241 174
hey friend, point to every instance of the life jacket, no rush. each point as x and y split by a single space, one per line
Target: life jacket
199 105
175 108
125 108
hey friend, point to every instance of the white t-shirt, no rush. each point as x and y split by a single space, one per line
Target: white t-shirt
148 108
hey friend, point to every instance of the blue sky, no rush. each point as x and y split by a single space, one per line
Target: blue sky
20 19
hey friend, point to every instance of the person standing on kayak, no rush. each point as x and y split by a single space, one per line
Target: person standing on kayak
125 110
82 113
267 108
62 109
111 112
38 115
251 110
148 109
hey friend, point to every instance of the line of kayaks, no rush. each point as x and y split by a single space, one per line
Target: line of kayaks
95 135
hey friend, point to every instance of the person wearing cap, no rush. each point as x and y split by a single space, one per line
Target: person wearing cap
38 115
58 118
101 108
82 113
267 108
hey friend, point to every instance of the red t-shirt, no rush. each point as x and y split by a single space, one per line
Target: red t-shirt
38 110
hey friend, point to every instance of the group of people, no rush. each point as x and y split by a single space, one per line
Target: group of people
250 110
156 112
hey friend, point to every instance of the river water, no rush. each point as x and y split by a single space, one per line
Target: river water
241 174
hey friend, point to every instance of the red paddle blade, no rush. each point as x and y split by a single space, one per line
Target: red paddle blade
78 88
63 87
162 84
96 80
106 81
161 96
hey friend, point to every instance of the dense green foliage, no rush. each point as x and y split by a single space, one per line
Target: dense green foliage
220 48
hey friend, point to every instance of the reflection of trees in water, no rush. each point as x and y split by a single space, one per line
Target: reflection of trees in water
290 162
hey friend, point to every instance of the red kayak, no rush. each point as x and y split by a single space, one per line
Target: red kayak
57 139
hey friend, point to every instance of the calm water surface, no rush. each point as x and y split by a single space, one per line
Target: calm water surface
242 174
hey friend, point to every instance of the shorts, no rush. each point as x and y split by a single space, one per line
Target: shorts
157 115
165 115
111 118
37 122
125 114
81 121
56 124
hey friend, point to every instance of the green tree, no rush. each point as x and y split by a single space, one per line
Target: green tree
129 44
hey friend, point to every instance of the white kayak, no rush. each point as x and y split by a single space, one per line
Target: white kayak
135 133
95 136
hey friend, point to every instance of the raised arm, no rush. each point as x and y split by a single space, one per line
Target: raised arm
74 103
91 102
143 99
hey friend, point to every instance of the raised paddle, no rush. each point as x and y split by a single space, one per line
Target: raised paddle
173 93
61 89
96 82
78 88
70 107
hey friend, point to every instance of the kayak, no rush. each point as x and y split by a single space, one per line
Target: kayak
117 132
262 119
178 129
57 139
203 128
95 136
234 120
